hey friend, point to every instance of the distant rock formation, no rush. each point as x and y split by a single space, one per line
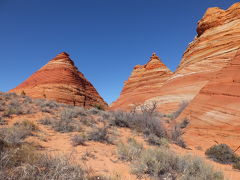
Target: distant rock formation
144 83
214 113
216 44
61 81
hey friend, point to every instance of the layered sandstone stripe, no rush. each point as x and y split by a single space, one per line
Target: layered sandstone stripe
144 83
61 81
216 44
214 114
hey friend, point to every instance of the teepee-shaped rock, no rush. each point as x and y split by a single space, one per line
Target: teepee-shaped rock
61 81
143 83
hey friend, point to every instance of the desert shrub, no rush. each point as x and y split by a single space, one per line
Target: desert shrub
9 96
100 134
176 134
119 118
94 111
184 123
46 121
3 121
161 163
79 111
14 107
79 139
236 165
87 120
28 125
99 107
14 135
222 153
155 140
180 109
2 106
148 109
46 105
146 123
65 122
24 163
130 151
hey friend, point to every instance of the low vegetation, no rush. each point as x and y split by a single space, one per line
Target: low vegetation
160 163
129 151
79 139
222 153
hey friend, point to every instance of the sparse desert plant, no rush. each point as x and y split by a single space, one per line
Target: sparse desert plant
222 153
14 135
130 151
25 163
79 139
236 165
176 133
88 121
155 140
180 109
65 123
46 121
119 118
161 163
100 134
95 111
26 124
3 121
184 123
99 107
14 107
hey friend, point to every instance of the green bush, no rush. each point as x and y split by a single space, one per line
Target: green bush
222 153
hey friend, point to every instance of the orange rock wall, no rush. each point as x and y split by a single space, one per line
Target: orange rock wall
214 113
216 44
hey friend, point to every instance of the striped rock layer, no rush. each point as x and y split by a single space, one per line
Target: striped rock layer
143 84
214 113
216 44
60 80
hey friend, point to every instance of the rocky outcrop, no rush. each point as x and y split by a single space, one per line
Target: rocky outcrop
214 113
216 44
144 83
61 81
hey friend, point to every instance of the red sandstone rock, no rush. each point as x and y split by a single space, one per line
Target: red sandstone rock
143 84
217 42
214 113
61 81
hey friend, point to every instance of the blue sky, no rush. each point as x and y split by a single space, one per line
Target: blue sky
105 38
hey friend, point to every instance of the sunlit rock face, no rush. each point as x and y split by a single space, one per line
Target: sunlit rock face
214 114
61 81
143 84
215 45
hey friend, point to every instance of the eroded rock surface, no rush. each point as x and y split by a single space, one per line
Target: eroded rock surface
144 83
61 81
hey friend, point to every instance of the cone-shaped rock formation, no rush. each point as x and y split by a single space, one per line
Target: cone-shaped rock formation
216 44
61 81
144 83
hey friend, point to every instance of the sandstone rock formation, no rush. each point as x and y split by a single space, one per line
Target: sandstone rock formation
214 113
216 44
61 81
144 83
